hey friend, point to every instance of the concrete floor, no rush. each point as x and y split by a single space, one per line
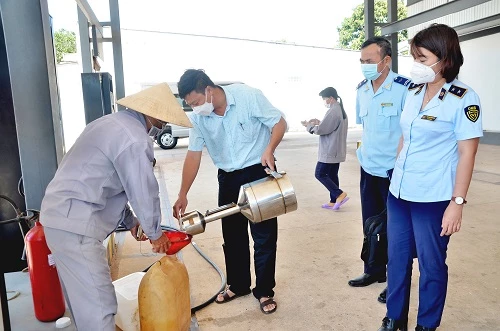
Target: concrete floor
318 252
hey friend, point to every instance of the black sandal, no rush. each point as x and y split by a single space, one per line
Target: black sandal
226 297
264 303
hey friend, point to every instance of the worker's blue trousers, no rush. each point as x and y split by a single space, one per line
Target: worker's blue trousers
414 227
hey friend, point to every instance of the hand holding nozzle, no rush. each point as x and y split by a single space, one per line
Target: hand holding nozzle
160 245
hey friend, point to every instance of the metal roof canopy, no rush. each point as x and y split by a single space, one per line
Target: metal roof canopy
479 28
429 15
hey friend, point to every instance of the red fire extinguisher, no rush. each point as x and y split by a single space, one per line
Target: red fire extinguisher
48 299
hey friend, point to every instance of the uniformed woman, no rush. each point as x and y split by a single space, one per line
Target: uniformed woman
441 126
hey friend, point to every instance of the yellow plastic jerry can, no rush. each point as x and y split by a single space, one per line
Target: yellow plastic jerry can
164 301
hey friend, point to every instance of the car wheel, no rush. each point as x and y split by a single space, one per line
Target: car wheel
166 141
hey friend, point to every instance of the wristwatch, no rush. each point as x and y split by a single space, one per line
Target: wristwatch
459 200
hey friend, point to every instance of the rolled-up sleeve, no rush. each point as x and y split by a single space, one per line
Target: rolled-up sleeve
265 111
196 140
135 170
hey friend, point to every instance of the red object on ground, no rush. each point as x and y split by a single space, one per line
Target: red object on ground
178 239
48 299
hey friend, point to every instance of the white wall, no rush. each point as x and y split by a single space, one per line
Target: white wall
290 76
481 71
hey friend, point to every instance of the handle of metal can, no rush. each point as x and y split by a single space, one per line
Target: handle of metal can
273 173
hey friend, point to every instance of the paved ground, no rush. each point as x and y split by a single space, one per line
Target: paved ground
318 252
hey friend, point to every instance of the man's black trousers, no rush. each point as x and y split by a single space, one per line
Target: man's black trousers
236 239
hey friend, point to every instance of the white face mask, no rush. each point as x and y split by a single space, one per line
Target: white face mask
206 108
421 73
327 105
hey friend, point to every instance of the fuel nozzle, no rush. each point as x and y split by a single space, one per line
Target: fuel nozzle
178 239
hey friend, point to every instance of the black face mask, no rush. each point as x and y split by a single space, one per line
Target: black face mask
154 131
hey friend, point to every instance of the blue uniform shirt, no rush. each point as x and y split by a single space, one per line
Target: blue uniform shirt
238 138
379 112
426 166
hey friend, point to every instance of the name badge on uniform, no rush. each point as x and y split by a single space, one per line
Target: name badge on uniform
386 104
429 118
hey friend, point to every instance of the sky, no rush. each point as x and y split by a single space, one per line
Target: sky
257 19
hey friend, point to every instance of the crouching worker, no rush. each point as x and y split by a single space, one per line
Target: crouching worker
110 164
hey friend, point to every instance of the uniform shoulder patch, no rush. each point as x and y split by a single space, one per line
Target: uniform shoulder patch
413 86
442 94
457 91
361 84
402 80
472 112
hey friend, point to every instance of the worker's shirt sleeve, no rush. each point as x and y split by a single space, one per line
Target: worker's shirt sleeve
134 166
128 218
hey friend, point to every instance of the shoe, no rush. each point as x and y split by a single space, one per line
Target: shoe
329 205
382 298
366 279
389 324
341 199
423 328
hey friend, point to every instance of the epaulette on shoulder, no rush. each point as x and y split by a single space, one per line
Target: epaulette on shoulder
361 84
457 91
414 86
402 80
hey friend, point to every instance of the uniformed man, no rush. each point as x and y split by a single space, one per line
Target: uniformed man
110 164
380 100
441 125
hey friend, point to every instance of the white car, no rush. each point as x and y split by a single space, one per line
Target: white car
167 139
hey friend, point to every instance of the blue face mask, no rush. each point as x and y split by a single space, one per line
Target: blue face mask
370 70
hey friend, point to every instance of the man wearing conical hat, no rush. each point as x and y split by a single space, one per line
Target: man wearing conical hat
109 167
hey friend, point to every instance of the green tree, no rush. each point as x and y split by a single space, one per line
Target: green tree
352 33
65 43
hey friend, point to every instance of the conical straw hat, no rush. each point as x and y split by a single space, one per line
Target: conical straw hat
158 102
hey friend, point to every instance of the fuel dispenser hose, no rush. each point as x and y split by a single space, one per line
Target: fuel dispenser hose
212 263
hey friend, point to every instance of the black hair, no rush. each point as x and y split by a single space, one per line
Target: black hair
193 80
384 44
331 92
442 41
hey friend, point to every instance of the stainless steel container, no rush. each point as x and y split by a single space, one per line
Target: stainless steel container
258 201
